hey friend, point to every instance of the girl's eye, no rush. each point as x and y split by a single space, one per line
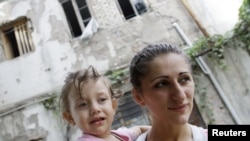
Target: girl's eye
102 99
83 104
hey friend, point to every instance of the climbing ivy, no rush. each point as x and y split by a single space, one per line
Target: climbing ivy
51 104
204 106
214 46
117 76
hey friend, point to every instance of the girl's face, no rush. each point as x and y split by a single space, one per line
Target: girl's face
167 90
94 110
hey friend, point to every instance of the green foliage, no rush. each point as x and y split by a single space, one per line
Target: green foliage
117 76
204 106
50 103
215 45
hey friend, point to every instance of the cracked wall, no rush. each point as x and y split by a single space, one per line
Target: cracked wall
57 53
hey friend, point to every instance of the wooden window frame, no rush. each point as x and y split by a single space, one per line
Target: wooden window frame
16 37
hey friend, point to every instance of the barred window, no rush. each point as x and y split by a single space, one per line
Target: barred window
129 113
16 37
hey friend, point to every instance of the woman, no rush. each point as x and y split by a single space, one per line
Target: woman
162 81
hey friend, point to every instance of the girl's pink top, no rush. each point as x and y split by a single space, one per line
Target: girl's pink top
122 133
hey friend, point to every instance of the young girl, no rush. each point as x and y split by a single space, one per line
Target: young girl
89 102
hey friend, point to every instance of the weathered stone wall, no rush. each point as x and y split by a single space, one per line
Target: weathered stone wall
39 73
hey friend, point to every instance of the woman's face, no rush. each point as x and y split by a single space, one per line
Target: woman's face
167 89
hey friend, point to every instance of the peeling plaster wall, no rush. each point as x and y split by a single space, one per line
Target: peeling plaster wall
42 70
29 124
56 54
111 17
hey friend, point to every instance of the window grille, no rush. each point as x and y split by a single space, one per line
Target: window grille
129 113
16 37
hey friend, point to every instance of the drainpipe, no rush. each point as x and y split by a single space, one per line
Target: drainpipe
209 73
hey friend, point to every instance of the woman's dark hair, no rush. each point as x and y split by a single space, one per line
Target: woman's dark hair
139 64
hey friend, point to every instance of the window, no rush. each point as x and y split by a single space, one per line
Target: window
129 113
16 37
131 8
77 14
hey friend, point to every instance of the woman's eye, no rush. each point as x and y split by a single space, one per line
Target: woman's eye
161 84
185 79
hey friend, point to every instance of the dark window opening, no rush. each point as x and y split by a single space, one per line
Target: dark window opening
75 28
131 9
11 39
84 11
127 9
141 8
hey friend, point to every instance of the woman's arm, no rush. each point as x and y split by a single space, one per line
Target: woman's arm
137 130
